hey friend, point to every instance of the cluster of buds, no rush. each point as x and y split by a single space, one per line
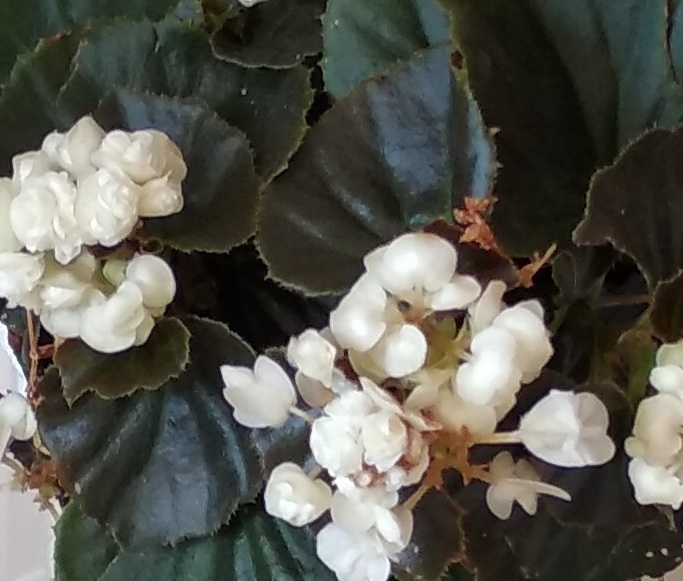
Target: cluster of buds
88 188
418 365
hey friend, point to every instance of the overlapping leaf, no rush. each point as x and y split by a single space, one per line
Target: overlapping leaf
163 356
394 155
362 39
274 34
666 315
221 189
158 466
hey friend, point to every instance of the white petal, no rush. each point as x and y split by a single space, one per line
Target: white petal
655 484
670 354
486 309
668 379
154 277
402 351
312 391
313 355
457 294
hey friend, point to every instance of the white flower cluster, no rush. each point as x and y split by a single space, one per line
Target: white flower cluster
656 446
416 356
86 188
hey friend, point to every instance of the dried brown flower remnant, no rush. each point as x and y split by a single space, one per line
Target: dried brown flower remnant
476 229
527 272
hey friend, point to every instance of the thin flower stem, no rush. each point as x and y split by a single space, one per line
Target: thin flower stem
295 411
624 300
33 356
496 439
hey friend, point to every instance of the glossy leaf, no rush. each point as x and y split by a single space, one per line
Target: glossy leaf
173 59
221 189
394 155
636 205
362 39
162 465
274 34
568 84
164 356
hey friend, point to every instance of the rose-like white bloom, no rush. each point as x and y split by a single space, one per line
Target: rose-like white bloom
17 420
385 437
42 216
568 429
106 207
260 398
525 322
353 557
66 286
420 269
20 273
312 355
655 484
492 368
657 429
65 322
31 164
155 279
293 496
336 445
160 197
518 483
73 150
143 155
118 322
8 241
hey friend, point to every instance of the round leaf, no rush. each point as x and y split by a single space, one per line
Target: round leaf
221 188
163 465
357 48
394 155
165 355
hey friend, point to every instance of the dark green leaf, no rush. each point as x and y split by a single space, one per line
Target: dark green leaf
275 34
568 84
666 315
158 466
636 205
221 189
173 59
579 272
24 22
165 355
394 155
254 546
364 38
83 551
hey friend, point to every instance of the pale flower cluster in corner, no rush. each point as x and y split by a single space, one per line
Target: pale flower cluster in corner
656 446
416 356
88 188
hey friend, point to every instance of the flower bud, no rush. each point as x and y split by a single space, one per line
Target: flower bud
155 279
313 355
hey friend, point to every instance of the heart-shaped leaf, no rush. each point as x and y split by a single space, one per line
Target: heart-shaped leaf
394 155
275 34
636 205
254 546
568 84
164 356
163 465
221 189
357 48
174 59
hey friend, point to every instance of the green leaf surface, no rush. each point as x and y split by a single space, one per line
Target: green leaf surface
362 39
636 205
221 190
666 314
163 465
393 156
274 34
569 84
23 23
173 59
164 356
254 546
579 272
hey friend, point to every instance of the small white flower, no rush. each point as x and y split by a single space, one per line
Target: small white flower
568 429
65 322
42 216
402 351
385 437
655 484
482 313
72 151
293 496
261 398
17 420
160 197
313 355
8 241
492 368
20 273
155 279
516 483
118 322
353 557
670 354
143 155
668 379
31 164
336 445
657 429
